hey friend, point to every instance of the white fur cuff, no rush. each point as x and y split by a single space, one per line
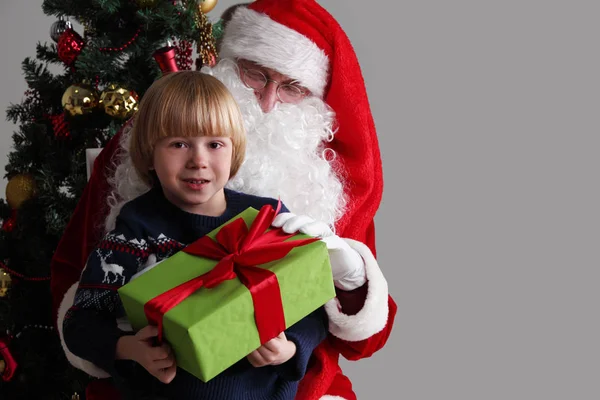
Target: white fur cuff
372 318
328 397
77 362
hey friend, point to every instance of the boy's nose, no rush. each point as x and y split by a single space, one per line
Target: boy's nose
197 160
267 97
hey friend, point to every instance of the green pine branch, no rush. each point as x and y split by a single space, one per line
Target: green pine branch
47 53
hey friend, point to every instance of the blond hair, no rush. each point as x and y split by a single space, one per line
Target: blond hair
186 104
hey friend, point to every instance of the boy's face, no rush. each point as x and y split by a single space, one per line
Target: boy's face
193 171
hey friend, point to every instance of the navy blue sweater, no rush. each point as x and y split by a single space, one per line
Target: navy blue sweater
147 225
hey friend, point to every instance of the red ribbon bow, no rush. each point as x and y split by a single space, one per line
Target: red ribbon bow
239 249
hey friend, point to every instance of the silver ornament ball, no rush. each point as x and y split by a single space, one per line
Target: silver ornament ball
58 28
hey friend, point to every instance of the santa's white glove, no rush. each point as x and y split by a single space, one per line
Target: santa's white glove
347 265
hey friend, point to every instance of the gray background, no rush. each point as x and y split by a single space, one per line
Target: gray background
487 114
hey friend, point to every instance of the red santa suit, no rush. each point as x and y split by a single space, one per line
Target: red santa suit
300 39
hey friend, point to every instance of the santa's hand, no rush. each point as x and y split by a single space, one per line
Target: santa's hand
347 265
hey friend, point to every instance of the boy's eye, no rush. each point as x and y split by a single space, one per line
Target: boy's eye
215 145
178 145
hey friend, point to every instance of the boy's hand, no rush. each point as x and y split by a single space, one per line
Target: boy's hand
276 351
159 361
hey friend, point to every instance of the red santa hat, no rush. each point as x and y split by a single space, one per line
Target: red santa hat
300 39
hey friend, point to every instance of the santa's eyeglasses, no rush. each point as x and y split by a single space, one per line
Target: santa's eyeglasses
286 92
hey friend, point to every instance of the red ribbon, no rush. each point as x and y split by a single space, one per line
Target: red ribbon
10 365
239 249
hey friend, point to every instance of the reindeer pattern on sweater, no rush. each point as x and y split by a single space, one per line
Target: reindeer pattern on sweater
116 259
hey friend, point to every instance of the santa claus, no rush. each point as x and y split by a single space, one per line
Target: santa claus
311 142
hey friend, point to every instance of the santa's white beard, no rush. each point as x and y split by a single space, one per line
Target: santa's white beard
285 156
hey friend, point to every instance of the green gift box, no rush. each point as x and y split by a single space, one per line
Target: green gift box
214 328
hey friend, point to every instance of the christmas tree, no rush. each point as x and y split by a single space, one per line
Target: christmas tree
107 69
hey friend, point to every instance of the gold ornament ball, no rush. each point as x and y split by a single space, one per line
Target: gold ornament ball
207 5
79 99
4 284
19 189
147 3
119 102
